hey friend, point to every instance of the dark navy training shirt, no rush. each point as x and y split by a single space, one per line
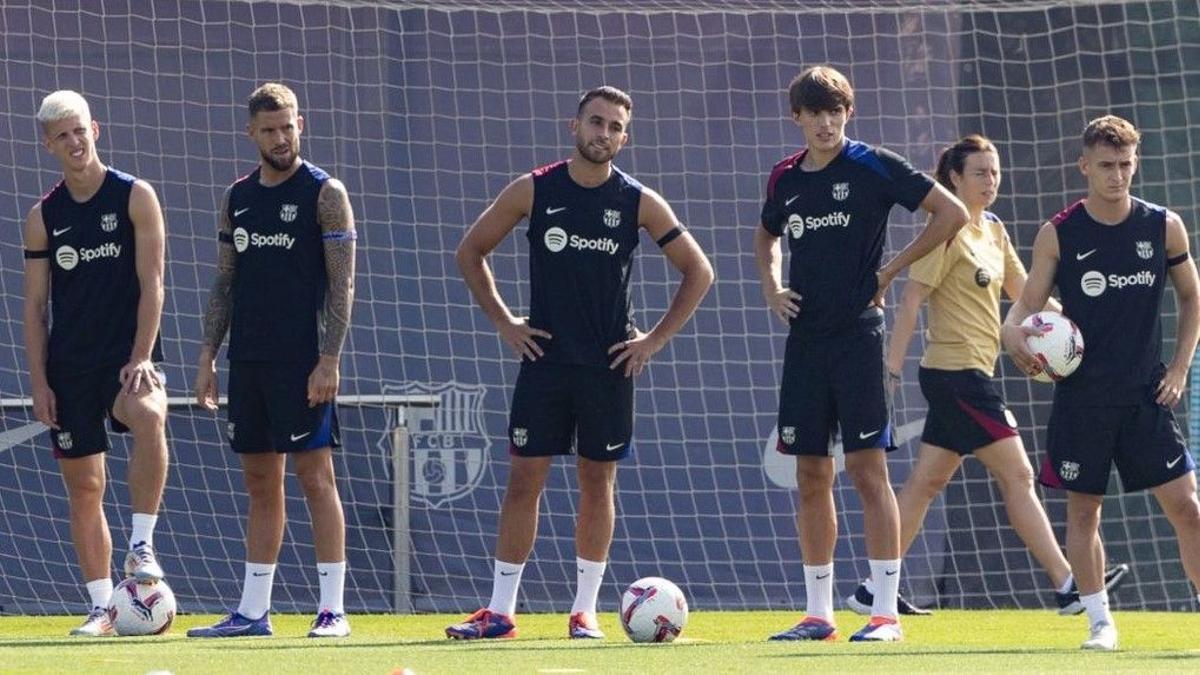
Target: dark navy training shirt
581 243
94 288
835 222
1111 280
279 281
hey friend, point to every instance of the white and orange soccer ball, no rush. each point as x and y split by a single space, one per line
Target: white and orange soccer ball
653 610
1059 348
141 609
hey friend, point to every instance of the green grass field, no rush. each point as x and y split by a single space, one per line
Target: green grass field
720 642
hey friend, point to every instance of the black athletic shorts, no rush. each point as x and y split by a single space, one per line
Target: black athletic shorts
269 412
835 383
1143 440
560 409
966 411
83 401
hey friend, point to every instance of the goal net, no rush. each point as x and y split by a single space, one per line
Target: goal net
426 110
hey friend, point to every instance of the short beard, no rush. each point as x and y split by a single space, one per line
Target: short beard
277 164
591 156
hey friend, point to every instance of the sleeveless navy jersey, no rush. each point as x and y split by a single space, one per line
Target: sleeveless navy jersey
835 223
581 243
279 281
94 289
1111 280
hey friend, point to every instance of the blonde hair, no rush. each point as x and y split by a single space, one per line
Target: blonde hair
62 104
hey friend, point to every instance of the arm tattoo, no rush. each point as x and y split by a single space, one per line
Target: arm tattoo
216 319
337 237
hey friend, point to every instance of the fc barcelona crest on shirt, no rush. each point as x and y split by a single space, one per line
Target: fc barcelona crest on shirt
108 222
612 217
288 213
841 191
1144 250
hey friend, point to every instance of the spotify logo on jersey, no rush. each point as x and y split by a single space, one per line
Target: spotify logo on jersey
556 239
241 239
1092 283
66 257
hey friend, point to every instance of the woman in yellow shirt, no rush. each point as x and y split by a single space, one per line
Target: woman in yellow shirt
962 282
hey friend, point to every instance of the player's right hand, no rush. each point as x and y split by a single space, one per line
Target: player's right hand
206 386
1014 340
45 406
518 335
784 303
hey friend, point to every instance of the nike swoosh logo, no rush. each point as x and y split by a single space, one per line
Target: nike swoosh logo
824 576
58 232
296 437
1171 464
324 574
789 202
260 574
240 212
610 448
550 211
890 572
507 574
865 436
1081 256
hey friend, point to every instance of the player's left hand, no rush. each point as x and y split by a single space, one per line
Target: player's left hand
1170 389
635 352
323 381
138 374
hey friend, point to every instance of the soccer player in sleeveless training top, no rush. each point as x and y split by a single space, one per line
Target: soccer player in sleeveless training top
1109 255
831 201
94 250
967 415
579 347
284 287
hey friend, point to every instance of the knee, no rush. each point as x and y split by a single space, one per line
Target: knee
143 417
522 488
868 478
1016 479
1183 512
263 485
814 480
926 487
317 481
86 491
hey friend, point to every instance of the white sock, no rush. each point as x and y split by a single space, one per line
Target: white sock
506 579
818 586
1096 606
100 591
589 575
869 584
256 590
332 577
886 574
143 529
1066 587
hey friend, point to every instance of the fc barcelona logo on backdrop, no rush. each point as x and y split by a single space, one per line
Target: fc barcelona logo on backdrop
108 222
288 213
612 217
841 191
447 439
1144 250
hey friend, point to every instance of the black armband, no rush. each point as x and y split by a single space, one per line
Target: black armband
1181 258
669 236
224 237
34 255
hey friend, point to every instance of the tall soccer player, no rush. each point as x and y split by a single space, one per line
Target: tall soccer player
284 287
1109 255
967 415
94 251
831 201
579 348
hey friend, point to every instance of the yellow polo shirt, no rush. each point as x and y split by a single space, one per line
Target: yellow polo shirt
967 276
